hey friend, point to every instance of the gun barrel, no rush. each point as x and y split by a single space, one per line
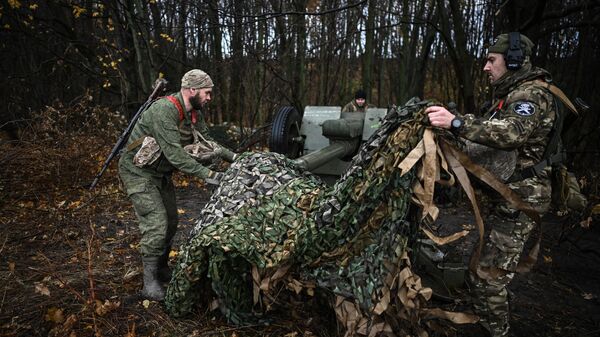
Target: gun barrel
337 149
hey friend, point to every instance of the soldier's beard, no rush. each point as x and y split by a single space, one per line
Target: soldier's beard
196 102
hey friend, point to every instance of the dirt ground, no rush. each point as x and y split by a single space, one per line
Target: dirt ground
80 277
559 297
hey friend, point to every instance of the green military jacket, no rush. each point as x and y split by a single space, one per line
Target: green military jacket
520 119
162 122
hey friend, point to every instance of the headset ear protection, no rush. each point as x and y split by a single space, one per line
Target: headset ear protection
514 55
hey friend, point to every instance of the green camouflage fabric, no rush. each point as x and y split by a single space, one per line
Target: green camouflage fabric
523 125
273 232
150 188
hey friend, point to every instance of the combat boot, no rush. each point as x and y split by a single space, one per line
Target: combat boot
153 289
164 272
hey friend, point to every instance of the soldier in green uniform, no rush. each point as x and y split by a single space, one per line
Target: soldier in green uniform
358 104
521 118
170 123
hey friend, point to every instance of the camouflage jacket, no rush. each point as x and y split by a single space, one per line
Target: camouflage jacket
521 119
161 121
352 107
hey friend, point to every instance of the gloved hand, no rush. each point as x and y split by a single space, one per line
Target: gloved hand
214 178
223 152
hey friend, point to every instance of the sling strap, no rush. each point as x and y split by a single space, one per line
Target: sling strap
557 93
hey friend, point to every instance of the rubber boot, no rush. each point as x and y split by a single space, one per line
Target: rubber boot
164 272
153 289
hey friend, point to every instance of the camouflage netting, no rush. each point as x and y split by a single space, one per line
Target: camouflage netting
271 229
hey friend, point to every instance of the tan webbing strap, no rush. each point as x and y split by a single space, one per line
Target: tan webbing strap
463 179
135 143
430 172
558 93
426 149
526 263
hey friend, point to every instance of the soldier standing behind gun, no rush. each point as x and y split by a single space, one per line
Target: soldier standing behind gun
358 104
154 150
521 118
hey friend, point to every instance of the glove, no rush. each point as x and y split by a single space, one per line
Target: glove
203 153
223 152
214 178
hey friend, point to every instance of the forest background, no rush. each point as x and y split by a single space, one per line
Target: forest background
75 71
268 53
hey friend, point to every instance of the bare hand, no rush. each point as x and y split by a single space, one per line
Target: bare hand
440 117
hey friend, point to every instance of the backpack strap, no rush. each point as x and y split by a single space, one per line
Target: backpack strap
554 153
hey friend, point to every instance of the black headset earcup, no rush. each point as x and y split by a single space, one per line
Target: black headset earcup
514 55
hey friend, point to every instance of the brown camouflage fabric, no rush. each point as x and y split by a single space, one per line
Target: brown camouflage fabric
520 120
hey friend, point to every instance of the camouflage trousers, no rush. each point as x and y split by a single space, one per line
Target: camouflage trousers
502 249
155 206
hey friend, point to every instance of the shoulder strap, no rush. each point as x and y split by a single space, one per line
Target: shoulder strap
557 93
177 104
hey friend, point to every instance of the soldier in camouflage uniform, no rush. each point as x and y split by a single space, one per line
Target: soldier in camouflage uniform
150 187
521 118
358 104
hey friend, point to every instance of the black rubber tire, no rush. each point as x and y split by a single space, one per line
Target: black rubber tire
286 127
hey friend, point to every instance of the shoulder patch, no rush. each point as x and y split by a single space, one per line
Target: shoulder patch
524 109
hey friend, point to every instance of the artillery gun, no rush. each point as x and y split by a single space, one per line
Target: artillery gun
322 139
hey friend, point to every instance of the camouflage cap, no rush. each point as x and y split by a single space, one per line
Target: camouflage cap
196 78
501 45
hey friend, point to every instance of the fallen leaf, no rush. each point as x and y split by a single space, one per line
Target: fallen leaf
173 253
55 315
11 267
130 274
547 259
586 222
180 211
41 289
588 296
146 304
106 307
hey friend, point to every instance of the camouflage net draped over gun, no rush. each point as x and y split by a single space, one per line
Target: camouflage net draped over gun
270 227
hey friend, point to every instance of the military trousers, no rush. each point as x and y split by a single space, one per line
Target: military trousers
155 206
502 250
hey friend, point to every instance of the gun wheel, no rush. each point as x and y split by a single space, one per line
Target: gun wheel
285 133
